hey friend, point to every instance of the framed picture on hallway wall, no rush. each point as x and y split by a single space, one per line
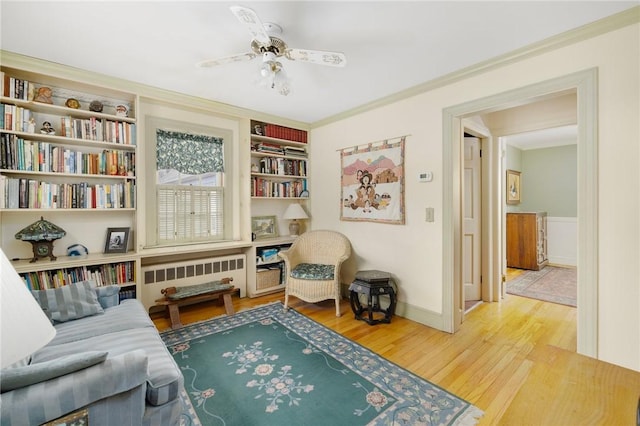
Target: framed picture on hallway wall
513 187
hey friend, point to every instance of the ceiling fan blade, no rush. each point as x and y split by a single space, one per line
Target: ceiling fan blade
333 59
250 19
227 60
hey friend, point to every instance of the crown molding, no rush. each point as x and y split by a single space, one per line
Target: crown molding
109 83
585 32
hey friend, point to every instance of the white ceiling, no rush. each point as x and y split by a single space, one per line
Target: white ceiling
390 45
545 138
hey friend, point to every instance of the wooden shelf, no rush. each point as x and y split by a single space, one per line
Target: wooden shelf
258 138
62 110
271 175
66 141
66 175
62 262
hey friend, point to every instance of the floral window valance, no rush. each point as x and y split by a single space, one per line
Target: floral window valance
187 153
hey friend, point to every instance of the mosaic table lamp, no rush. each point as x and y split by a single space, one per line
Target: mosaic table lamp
41 234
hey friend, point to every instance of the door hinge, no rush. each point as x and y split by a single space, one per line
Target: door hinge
504 278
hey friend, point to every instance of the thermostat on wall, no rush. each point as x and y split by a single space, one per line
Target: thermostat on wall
425 177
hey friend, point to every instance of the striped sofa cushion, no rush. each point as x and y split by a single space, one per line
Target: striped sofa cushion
69 302
164 378
46 401
129 314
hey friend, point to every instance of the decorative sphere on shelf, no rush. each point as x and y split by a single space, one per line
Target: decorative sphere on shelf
72 103
77 250
44 95
122 111
95 106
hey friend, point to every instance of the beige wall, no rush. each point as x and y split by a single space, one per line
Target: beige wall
413 252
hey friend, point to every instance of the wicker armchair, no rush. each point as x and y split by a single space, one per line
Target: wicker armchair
313 266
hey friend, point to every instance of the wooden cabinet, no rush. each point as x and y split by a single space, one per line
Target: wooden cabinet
527 240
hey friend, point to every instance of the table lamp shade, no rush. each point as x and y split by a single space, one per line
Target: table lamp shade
24 327
293 213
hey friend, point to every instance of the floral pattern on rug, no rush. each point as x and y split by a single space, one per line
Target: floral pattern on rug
390 395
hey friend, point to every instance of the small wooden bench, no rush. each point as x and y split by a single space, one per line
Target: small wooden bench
174 297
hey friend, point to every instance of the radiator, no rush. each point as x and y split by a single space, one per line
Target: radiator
192 272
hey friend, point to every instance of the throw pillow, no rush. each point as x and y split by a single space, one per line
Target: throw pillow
14 378
69 302
108 295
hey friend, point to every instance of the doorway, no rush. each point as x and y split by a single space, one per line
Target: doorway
584 83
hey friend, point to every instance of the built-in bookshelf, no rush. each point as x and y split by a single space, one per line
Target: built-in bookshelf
278 165
121 273
279 176
68 153
54 156
268 268
102 270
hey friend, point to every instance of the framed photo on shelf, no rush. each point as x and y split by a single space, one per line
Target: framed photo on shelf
513 187
117 240
264 227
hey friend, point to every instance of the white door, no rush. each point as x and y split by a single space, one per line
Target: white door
472 224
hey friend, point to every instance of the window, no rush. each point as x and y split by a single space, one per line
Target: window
190 191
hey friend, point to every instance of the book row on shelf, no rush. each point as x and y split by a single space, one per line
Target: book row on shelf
16 88
23 193
279 132
111 273
25 155
127 293
271 148
21 119
100 130
282 166
267 188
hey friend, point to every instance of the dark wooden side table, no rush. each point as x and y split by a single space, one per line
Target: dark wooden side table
373 284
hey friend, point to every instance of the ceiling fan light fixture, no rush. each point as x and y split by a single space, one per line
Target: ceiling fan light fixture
266 69
281 83
265 43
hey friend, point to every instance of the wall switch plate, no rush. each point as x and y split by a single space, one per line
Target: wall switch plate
429 214
425 177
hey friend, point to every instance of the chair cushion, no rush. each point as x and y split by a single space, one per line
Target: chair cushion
313 271
69 302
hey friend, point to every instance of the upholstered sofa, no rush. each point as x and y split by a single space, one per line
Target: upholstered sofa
107 357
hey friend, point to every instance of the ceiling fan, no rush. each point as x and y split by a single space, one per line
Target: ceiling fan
265 43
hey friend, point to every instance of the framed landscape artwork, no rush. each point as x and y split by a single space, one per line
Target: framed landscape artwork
264 227
513 187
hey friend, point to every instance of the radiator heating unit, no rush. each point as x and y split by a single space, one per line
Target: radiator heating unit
191 272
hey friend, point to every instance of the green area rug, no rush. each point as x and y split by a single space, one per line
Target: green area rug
265 366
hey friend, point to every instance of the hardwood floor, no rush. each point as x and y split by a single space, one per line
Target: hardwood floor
515 360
